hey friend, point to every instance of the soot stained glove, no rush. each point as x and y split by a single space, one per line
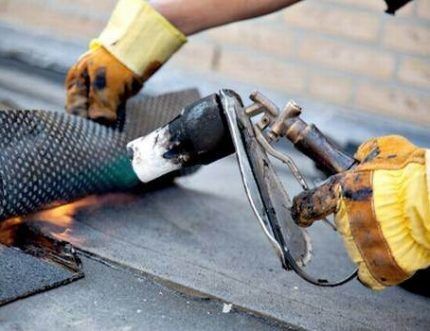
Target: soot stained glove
382 210
134 45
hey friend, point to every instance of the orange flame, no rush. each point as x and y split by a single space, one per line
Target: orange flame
58 220
8 230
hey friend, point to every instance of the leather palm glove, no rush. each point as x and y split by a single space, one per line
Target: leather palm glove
382 210
135 43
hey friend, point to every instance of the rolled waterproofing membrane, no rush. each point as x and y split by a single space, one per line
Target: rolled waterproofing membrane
49 157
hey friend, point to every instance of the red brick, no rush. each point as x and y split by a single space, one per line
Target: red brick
423 9
262 71
394 102
342 22
42 16
264 38
368 4
103 6
345 57
3 4
415 72
408 38
196 56
330 88
376 5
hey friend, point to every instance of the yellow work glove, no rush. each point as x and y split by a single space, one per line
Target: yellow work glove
382 210
135 43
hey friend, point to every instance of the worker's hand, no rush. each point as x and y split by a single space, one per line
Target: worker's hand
382 210
135 43
97 84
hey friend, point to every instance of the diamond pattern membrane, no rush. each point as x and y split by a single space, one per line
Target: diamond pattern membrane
46 156
49 156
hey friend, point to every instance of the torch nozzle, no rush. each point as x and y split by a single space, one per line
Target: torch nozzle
199 135
149 155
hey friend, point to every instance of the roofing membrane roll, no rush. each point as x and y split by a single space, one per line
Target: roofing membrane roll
50 157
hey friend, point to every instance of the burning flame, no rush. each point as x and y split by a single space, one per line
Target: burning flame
8 230
58 220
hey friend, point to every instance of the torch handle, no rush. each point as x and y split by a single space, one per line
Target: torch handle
308 139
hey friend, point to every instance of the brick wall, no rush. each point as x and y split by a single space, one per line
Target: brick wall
345 52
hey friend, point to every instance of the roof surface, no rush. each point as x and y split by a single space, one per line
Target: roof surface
198 237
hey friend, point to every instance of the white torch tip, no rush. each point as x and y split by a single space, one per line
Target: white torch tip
148 154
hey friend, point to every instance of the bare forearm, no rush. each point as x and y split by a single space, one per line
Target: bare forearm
192 16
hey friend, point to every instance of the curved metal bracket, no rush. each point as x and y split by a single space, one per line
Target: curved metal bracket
269 200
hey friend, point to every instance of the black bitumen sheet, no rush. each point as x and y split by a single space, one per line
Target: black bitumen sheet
50 156
22 275
144 114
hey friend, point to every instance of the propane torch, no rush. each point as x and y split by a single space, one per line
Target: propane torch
219 125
